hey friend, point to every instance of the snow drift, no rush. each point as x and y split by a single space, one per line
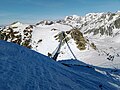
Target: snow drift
24 69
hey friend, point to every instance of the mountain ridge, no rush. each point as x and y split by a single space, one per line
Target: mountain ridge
100 33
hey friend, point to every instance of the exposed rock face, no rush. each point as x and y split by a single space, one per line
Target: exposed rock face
96 23
79 39
10 35
77 36
21 37
44 22
117 23
27 36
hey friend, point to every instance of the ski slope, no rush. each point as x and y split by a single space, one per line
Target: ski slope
24 69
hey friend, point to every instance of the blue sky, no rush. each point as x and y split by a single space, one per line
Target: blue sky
32 11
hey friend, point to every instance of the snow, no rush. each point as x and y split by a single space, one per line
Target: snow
47 35
16 24
90 56
92 21
24 69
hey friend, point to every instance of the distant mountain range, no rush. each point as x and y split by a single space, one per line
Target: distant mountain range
94 38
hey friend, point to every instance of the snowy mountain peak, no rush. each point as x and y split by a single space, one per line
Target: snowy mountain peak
72 17
93 38
94 14
100 24
16 24
118 11
45 22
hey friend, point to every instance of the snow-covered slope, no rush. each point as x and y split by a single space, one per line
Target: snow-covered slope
96 23
24 69
97 45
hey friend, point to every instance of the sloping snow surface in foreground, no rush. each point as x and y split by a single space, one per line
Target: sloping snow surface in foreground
24 69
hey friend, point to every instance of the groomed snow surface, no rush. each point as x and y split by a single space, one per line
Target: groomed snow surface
24 69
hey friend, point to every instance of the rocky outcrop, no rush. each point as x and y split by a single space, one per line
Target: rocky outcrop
44 22
79 39
95 23
21 37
